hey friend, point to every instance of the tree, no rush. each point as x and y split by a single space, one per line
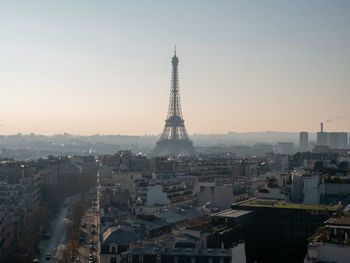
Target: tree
344 166
63 255
318 166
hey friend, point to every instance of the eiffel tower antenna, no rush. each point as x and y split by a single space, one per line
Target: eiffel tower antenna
174 139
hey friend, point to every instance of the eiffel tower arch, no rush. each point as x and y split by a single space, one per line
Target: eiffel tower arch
174 139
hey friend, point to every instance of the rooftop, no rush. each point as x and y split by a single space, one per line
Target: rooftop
172 215
343 220
274 203
122 235
336 234
231 213
153 250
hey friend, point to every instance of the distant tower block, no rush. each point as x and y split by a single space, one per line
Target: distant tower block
174 139
304 141
322 137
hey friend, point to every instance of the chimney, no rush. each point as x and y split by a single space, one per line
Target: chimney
321 126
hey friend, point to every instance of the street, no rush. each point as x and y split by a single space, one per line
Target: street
58 233
90 218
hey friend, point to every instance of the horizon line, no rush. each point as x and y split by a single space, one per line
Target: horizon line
155 135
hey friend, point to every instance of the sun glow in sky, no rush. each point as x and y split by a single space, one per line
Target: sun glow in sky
87 67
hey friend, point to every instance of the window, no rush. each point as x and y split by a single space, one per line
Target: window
113 249
113 260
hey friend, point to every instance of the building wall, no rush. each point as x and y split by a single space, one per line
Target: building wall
107 258
155 195
124 179
328 253
220 195
337 189
245 169
311 190
283 179
238 253
303 140
297 188
335 140
338 140
279 234
105 171
322 138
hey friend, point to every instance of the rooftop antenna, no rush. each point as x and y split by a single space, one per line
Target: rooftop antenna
175 50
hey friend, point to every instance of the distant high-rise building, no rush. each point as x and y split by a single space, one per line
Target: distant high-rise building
322 137
174 139
304 140
338 140
334 140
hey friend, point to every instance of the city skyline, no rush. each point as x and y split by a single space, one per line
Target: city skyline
87 68
175 131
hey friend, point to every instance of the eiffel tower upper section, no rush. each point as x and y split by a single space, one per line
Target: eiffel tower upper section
174 139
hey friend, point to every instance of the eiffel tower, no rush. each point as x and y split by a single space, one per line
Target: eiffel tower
174 139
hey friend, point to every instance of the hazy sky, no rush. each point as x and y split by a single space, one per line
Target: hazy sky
87 67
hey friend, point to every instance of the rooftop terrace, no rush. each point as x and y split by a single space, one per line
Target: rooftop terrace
274 203
343 220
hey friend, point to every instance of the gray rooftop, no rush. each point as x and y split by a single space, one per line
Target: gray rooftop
231 213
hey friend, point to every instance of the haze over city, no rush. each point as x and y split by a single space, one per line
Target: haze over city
87 67
174 131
